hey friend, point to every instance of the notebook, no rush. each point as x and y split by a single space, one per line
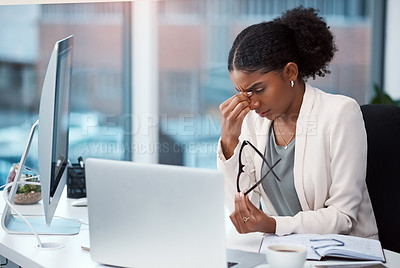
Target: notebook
147 215
331 245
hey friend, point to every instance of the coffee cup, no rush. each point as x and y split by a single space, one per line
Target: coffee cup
286 256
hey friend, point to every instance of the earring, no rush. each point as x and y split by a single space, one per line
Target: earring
292 83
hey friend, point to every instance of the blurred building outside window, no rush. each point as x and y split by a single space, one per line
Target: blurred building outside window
194 41
194 38
28 34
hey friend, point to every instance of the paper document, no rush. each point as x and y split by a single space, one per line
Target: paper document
330 245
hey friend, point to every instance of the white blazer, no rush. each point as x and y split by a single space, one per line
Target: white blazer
329 168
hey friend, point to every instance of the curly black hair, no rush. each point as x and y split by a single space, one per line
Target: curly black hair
299 36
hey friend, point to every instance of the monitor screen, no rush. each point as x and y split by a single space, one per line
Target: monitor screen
61 116
54 125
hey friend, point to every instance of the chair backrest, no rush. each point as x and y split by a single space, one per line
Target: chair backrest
382 123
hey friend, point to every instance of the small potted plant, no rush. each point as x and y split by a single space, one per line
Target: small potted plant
26 193
381 97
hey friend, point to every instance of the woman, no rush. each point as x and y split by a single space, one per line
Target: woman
314 142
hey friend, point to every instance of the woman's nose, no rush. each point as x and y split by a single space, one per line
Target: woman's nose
254 103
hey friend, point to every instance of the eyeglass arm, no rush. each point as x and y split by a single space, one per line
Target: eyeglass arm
263 177
262 156
240 170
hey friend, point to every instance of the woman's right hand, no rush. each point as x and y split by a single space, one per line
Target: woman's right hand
232 112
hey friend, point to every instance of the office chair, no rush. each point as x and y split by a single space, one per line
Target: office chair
382 123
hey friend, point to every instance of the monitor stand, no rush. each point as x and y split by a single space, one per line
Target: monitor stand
16 225
58 226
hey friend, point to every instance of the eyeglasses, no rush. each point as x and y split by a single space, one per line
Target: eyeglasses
240 170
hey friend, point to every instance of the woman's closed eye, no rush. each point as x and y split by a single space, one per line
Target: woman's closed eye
258 90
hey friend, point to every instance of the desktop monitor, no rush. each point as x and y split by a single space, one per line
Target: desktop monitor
54 126
53 132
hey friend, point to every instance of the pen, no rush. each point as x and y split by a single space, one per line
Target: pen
80 160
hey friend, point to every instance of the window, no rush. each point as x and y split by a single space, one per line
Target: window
99 83
194 41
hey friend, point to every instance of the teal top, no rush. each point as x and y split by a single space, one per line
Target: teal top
282 194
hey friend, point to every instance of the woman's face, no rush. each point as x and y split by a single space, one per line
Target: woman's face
271 96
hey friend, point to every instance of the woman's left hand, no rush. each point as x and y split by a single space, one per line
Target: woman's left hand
247 218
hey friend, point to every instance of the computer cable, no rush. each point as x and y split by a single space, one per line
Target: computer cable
5 196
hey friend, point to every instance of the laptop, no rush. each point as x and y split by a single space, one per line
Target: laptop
148 215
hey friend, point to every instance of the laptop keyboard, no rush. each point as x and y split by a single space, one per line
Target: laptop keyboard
231 264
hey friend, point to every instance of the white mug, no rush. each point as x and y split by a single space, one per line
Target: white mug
286 256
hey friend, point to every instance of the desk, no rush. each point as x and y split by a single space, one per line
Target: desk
21 249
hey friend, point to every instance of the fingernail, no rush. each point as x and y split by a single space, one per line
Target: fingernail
241 194
249 93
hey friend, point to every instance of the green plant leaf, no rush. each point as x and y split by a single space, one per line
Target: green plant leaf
381 97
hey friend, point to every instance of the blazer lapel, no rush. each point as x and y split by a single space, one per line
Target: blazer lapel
262 127
301 140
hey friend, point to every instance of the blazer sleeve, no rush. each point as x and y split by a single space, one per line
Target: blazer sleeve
344 158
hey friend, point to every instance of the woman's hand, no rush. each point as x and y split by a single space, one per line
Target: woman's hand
232 112
248 218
